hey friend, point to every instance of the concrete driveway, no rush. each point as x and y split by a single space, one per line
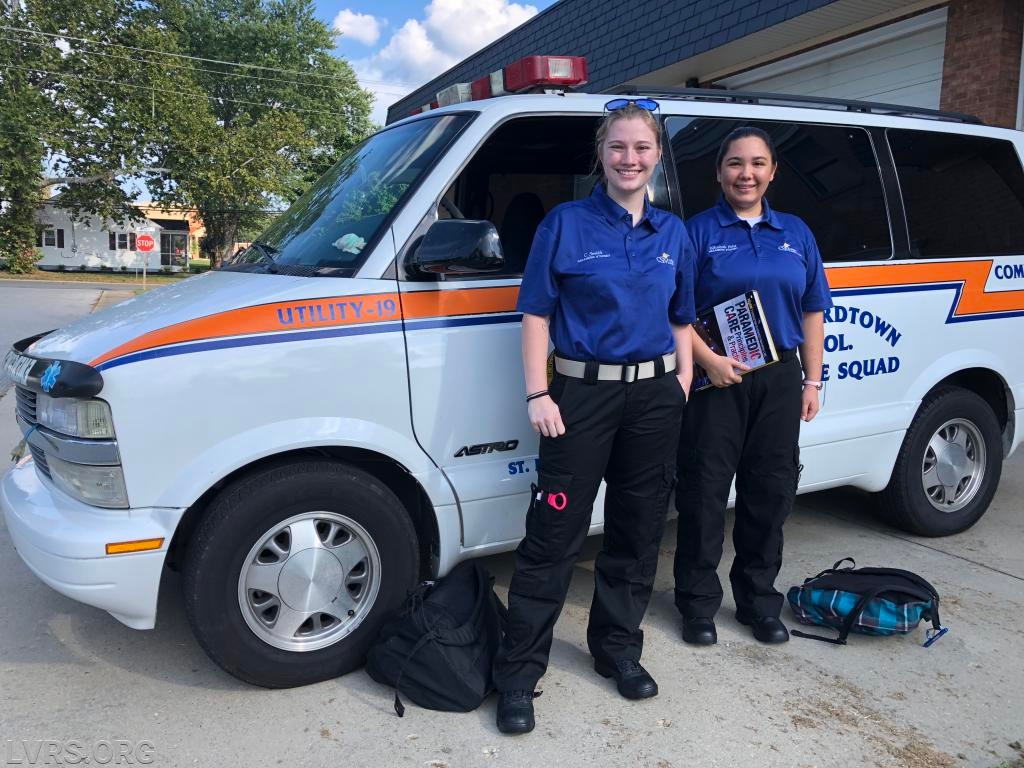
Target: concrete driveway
72 672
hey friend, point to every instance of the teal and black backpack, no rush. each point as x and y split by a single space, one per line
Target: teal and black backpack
869 601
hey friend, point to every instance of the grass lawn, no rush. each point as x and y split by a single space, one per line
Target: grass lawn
130 278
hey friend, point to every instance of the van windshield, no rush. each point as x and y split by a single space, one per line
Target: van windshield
331 229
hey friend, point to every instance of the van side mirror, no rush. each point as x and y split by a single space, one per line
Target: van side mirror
458 247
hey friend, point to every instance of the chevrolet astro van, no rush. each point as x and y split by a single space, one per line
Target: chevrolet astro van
365 426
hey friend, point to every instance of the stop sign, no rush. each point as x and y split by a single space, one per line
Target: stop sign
144 243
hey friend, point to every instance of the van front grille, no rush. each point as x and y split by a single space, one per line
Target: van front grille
40 460
25 402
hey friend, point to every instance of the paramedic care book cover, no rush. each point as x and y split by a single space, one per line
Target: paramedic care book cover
736 328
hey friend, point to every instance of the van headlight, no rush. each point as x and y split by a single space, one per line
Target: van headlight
96 485
75 416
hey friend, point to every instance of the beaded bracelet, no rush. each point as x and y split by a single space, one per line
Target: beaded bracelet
536 395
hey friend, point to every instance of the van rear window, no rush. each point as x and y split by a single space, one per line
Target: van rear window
964 195
828 176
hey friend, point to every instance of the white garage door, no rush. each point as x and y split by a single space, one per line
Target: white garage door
900 64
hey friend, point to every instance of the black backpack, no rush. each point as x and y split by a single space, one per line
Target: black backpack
869 601
438 649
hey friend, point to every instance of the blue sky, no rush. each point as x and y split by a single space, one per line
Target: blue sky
397 45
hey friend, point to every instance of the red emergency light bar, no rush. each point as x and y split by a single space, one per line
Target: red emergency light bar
528 73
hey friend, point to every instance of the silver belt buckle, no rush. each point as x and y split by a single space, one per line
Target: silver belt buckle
630 372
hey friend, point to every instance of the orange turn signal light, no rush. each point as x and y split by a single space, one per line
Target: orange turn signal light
140 545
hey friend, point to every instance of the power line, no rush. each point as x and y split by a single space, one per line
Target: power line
181 66
153 89
181 55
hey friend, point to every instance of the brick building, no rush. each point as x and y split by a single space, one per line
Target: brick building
961 55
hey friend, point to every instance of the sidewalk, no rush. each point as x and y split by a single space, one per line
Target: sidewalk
110 297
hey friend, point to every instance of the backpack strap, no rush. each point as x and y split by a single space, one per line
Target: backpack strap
426 638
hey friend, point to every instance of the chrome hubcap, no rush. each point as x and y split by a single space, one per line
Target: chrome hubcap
954 465
309 581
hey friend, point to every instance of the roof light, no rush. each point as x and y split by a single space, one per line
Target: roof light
481 88
519 76
454 94
539 71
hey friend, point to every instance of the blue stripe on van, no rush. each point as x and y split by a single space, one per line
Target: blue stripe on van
319 333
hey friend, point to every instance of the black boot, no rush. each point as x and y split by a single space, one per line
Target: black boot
632 680
767 629
699 631
515 711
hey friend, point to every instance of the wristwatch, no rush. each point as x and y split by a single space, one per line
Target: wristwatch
816 384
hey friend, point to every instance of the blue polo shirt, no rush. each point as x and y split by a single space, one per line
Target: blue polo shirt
777 256
610 289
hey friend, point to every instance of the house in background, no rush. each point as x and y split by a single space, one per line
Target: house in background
98 244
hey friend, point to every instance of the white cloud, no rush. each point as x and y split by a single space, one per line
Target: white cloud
420 50
358 26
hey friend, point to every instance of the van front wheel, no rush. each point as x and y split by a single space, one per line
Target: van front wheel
293 570
948 467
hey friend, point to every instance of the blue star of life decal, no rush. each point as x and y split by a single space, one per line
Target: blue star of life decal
50 375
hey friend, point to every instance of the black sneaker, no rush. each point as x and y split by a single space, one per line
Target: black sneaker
632 680
515 711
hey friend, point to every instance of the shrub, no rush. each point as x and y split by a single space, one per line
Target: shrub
61 268
24 261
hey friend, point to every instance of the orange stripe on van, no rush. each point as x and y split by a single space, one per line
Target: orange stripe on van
972 274
419 305
323 313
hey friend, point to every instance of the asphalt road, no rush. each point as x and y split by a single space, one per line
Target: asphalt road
30 308
70 672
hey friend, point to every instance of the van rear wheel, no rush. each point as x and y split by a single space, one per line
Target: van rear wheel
948 467
293 570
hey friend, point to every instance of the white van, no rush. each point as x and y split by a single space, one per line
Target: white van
352 410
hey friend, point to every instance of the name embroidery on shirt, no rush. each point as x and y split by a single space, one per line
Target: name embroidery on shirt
666 259
590 255
721 248
790 249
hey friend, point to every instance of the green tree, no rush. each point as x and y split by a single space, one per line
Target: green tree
255 136
23 122
83 112
108 90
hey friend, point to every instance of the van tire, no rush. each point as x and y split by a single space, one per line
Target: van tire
960 428
335 552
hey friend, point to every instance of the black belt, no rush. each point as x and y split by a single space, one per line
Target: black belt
786 354
628 372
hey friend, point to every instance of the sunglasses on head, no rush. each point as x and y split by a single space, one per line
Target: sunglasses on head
616 104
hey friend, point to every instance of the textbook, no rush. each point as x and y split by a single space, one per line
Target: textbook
736 328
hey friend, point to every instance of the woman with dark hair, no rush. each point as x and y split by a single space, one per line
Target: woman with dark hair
609 281
747 427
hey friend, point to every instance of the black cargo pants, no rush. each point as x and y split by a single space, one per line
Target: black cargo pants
627 434
749 431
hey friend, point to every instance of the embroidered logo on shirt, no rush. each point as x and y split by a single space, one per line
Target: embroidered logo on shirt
787 247
589 255
666 259
721 248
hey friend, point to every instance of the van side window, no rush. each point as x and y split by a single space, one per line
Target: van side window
964 195
523 170
828 176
